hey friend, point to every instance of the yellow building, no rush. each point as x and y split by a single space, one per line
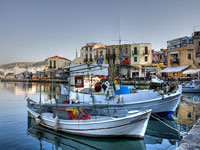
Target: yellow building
118 57
57 62
182 58
141 59
116 53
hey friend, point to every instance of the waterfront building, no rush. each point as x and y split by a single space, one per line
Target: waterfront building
118 57
141 59
159 59
179 42
57 62
182 54
100 55
88 52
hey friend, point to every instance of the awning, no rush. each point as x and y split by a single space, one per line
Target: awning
174 69
191 71
176 52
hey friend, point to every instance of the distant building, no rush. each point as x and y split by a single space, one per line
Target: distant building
180 42
100 55
57 62
141 59
118 57
88 52
182 54
159 59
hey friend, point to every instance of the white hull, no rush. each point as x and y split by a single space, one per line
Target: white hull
133 125
143 100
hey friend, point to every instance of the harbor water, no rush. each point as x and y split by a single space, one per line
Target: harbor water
19 132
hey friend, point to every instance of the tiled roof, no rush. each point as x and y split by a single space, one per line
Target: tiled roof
59 57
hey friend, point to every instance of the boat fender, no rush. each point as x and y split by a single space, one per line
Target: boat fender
120 99
56 123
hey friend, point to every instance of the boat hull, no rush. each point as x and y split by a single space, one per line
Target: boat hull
163 105
133 125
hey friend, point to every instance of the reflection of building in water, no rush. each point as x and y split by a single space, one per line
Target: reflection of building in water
187 113
49 90
25 89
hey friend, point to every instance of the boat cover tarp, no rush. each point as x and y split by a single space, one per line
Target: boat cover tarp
191 71
174 69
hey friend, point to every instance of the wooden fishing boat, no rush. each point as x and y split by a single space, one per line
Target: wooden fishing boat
163 104
65 141
133 124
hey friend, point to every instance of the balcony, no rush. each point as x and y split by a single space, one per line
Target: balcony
146 53
174 61
102 57
135 53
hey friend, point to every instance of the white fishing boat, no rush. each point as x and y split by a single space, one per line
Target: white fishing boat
164 104
107 91
192 87
65 141
133 124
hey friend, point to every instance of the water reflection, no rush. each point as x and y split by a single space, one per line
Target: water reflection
163 132
65 141
188 111
13 116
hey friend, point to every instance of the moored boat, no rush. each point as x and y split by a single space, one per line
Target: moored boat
67 141
192 87
163 104
133 124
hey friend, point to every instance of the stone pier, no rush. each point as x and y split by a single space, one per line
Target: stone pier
192 140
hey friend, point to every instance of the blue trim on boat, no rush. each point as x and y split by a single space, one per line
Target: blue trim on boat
165 114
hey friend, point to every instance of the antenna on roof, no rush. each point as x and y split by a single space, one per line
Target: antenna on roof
119 33
120 40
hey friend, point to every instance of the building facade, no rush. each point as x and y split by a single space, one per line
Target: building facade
141 59
118 57
88 52
57 62
183 56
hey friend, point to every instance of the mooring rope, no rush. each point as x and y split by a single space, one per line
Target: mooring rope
165 123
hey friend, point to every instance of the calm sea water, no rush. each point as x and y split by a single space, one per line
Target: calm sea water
18 132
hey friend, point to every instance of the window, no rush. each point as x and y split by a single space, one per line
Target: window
135 50
108 51
135 59
113 51
189 55
126 50
146 50
50 64
54 64
146 58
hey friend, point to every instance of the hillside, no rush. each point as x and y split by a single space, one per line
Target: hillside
23 64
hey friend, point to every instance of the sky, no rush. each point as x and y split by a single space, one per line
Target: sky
33 30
